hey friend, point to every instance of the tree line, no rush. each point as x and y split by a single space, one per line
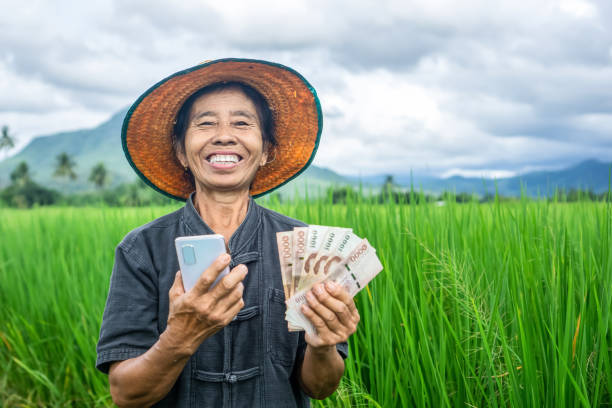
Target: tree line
23 191
64 168
393 193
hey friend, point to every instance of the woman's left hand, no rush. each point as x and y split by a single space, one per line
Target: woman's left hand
332 312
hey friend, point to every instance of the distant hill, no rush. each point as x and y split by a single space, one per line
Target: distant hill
87 147
589 174
103 144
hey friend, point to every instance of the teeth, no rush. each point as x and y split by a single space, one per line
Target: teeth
224 158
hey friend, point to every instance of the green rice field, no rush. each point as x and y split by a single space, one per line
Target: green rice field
479 305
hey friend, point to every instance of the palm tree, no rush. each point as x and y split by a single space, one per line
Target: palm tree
7 142
388 186
98 175
21 175
65 166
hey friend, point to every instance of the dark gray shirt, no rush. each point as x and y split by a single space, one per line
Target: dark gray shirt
253 361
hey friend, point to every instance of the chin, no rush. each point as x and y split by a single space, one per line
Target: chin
226 186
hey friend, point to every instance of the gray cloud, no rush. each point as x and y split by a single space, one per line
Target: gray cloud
424 84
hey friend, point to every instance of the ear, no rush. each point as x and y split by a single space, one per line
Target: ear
264 155
180 155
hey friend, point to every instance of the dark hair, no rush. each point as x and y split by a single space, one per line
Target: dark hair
264 114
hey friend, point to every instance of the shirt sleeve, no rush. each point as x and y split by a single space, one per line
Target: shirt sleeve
129 324
342 349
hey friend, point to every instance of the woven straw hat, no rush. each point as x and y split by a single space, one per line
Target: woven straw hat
147 128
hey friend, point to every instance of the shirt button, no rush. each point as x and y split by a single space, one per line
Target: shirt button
232 378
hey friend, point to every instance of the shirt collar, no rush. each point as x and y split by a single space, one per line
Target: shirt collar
239 239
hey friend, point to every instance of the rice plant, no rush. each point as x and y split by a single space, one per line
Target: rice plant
500 304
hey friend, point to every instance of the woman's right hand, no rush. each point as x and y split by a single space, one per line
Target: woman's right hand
199 313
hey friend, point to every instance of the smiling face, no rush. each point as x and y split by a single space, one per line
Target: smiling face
223 142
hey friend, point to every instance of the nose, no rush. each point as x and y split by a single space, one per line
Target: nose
224 136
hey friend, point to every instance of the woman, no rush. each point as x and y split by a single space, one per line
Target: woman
216 135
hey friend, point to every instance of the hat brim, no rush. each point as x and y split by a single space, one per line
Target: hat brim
146 134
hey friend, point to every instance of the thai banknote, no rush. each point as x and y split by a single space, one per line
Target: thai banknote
284 241
353 274
300 236
333 251
314 240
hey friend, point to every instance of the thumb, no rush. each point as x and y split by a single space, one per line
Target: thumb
177 288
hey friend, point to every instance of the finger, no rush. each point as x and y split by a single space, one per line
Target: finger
229 282
233 310
177 288
324 335
210 274
316 320
324 313
334 304
228 310
227 301
222 316
340 293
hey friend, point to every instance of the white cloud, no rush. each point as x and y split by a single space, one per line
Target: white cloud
578 8
23 94
449 86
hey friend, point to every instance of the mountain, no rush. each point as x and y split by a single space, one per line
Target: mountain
589 174
103 144
87 147
314 181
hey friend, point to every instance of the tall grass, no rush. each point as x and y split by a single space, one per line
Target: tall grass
478 305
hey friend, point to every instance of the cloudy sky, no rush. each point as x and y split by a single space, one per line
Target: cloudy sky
440 87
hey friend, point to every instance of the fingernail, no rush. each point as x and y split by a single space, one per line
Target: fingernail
310 296
319 289
225 257
331 285
243 268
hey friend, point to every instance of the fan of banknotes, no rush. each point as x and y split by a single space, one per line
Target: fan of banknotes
309 255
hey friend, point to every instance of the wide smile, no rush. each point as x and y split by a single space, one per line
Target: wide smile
223 160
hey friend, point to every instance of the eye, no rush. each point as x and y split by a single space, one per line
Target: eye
242 123
206 123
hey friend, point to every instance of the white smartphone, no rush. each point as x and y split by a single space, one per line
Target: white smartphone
195 254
